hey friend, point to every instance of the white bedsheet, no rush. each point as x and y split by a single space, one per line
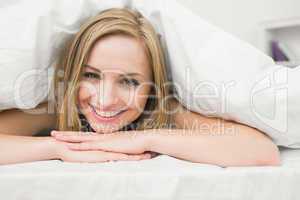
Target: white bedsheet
160 178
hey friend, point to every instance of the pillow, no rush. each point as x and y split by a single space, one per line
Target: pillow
214 73
32 32
218 75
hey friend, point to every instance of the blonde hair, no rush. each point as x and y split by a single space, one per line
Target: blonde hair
69 69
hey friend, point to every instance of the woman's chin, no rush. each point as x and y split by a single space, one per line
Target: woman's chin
104 130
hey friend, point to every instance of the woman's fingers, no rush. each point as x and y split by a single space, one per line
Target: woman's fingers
126 157
90 146
76 136
100 156
138 157
114 142
70 133
117 144
85 146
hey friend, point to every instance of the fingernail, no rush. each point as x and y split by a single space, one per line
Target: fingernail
146 156
58 135
72 146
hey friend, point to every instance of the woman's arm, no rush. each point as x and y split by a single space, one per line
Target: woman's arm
214 141
18 146
19 149
26 122
198 139
16 129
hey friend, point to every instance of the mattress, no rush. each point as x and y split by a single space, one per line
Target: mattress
162 177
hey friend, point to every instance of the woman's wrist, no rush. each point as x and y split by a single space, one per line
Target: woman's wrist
147 138
51 148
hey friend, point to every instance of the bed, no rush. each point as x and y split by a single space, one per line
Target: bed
162 177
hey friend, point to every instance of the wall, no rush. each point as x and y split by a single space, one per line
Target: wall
242 17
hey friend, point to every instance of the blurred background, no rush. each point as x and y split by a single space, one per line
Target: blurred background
273 26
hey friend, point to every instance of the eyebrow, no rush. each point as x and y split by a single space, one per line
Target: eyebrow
93 68
127 74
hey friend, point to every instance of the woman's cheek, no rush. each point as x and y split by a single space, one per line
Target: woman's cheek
86 90
83 94
140 99
132 99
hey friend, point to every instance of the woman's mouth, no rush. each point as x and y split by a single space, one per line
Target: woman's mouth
107 116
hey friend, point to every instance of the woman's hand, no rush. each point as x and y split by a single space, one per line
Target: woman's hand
68 155
63 152
128 142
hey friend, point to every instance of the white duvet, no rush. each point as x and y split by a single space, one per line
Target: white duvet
214 73
163 178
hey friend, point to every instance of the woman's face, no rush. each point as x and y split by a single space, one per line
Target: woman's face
115 84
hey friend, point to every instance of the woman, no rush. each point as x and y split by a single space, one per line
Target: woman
113 102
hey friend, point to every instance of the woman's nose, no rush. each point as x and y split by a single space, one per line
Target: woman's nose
106 96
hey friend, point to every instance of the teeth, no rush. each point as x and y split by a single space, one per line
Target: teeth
106 114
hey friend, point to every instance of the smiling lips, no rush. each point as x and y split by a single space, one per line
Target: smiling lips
106 116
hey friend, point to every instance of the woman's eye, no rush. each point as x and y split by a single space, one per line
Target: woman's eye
130 82
91 75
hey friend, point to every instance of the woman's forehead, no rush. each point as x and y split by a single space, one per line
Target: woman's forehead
120 53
